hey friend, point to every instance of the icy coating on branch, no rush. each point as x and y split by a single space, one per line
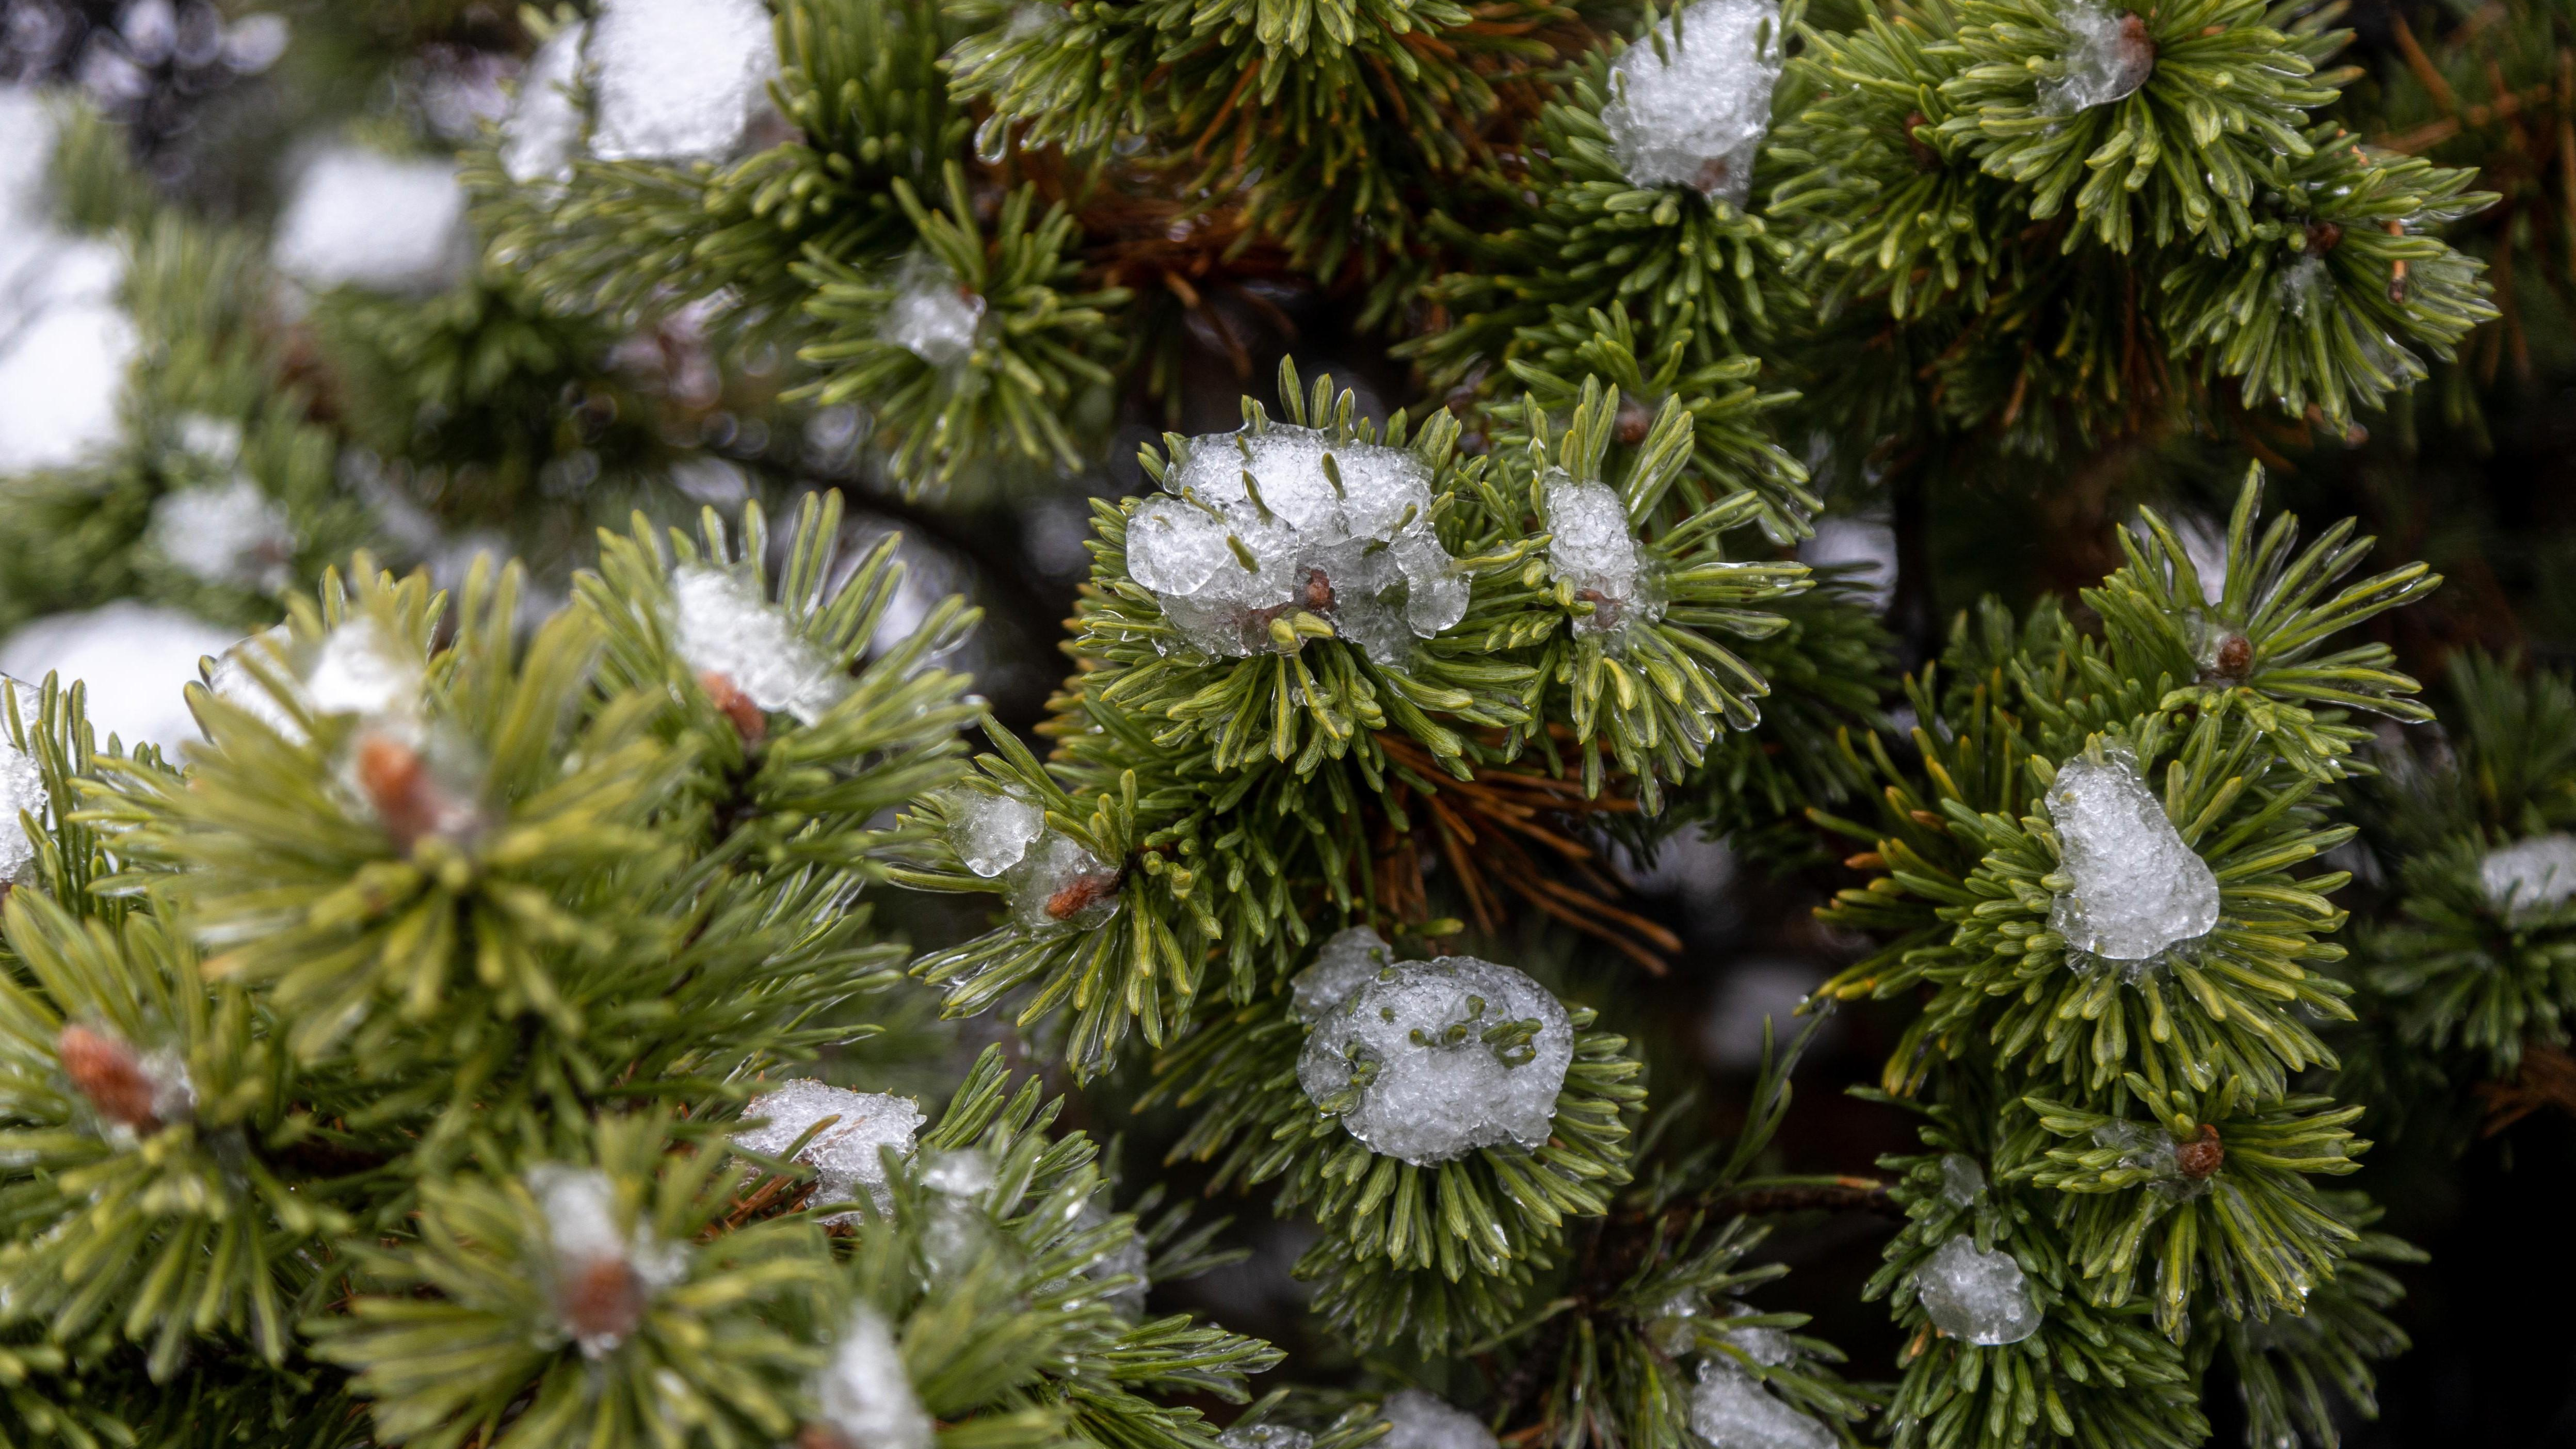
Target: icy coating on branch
931 316
992 833
844 1154
864 1396
2529 877
679 80
2108 56
2152 1150
724 626
1689 105
361 218
543 130
1442 1059
1980 1297
1339 533
1266 1436
1416 1420
602 1278
1731 1410
1591 548
1350 958
22 788
230 534
2139 890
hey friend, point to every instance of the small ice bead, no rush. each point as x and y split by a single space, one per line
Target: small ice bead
1416 1420
2108 55
845 1155
362 670
2529 877
1978 1297
1061 883
2139 889
1351 958
229 534
1729 1409
544 126
1961 1180
864 1395
679 80
931 316
1692 111
1175 547
1440 1090
1266 1436
1437 594
22 788
992 832
725 626
62 383
361 218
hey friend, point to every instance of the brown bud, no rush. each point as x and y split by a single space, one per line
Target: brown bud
601 1298
107 1071
2235 657
2323 237
1925 158
1714 174
728 698
1634 422
2202 1155
396 782
1605 609
2137 49
1081 895
1319 590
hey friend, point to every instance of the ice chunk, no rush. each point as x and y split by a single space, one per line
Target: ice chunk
931 316
603 1276
362 669
864 1395
136 660
1980 1297
1962 1180
1729 1409
1439 1088
992 832
1351 958
1590 548
361 218
1416 1420
1266 1436
1769 1347
62 381
543 131
2152 1150
960 1172
1174 546
679 80
1060 883
2529 877
22 788
2138 889
1692 110
724 626
2108 55
844 1155
2305 285
230 534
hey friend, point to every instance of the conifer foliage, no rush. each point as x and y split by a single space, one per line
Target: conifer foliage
505 944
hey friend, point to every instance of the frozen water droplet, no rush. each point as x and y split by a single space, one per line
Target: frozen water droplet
931 316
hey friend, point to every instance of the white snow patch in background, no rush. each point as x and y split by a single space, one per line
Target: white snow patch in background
1867 542
230 534
2529 877
137 660
1747 994
543 131
1449 1092
1696 114
679 80
361 218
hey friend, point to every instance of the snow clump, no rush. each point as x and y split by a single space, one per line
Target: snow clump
361 218
2138 890
1266 1436
864 1396
543 130
844 1154
2529 877
2110 56
1416 1420
1351 958
1435 1088
1337 531
602 1275
1689 106
1962 1180
724 626
1591 550
1730 1409
932 316
680 80
1979 1297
